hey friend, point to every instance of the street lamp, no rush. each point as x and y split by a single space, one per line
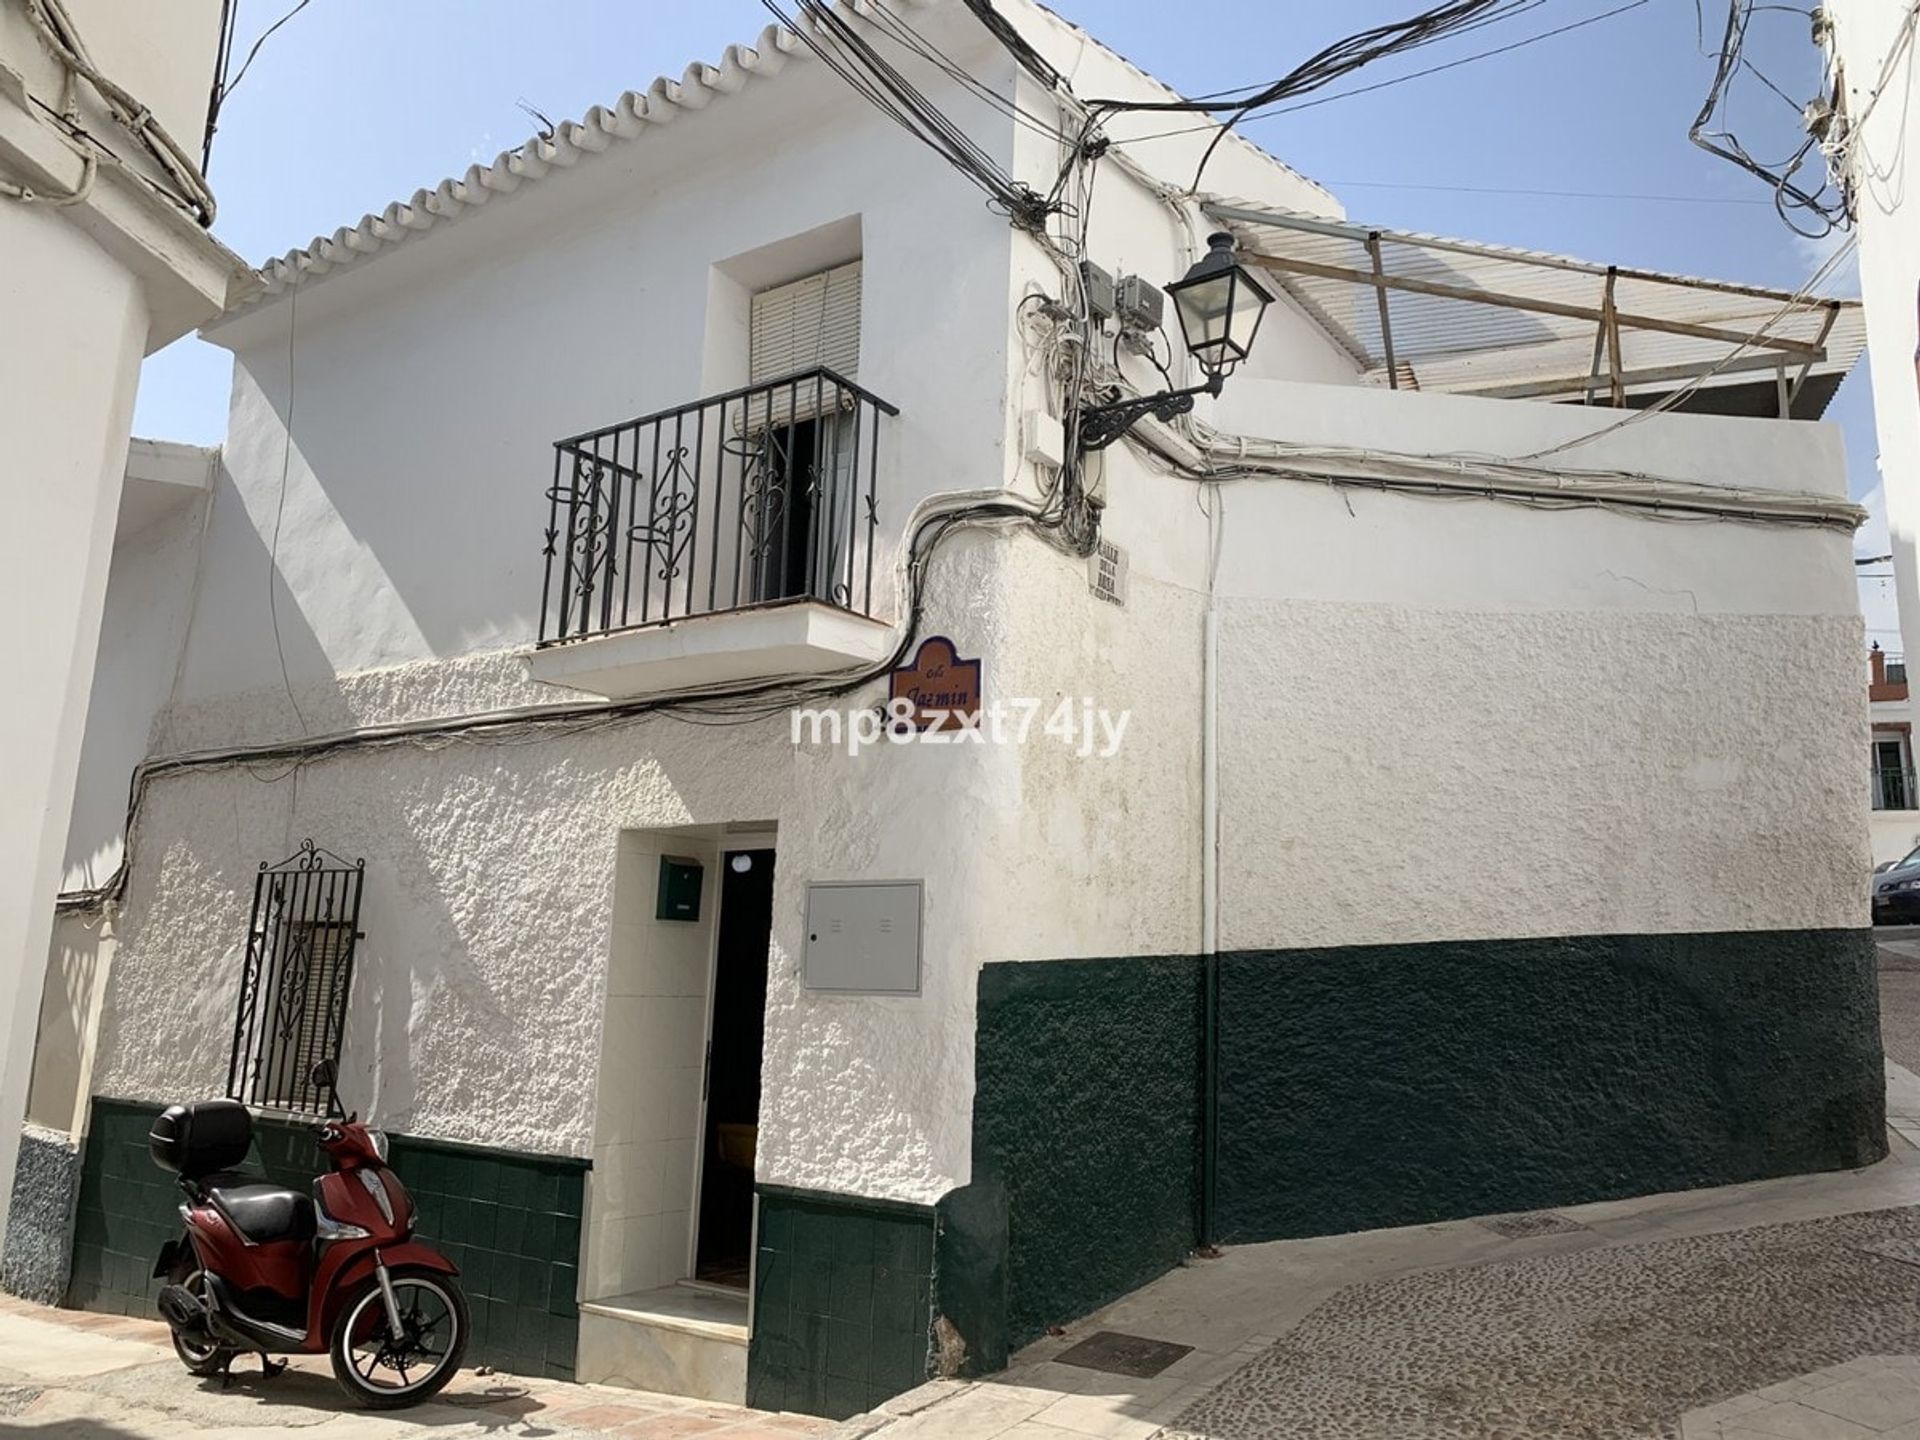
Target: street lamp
1219 304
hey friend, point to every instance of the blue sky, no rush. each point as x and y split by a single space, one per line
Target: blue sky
355 103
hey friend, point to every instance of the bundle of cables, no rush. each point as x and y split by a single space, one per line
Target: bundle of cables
1342 57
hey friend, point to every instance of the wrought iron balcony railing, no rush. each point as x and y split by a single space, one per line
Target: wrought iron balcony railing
758 496
1894 789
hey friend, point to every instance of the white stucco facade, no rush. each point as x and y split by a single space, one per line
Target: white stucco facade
91 285
1355 715
1872 49
1383 641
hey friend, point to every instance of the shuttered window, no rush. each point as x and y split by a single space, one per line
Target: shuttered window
808 324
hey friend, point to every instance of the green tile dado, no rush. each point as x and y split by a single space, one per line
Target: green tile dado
843 1302
511 1222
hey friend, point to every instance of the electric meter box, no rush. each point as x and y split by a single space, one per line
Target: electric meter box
863 937
1140 305
679 898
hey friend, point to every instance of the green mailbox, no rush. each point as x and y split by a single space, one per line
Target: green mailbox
679 888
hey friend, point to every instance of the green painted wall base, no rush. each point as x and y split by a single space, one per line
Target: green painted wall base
511 1222
1369 1086
1388 1085
843 1307
1087 1111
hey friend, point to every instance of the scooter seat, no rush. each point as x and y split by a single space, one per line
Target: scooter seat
260 1210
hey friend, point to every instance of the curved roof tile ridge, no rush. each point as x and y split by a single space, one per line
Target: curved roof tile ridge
629 117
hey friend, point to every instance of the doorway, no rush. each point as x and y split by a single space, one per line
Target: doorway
723 1252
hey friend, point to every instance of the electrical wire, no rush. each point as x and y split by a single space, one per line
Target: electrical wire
1388 84
1847 156
279 513
1790 198
871 75
1678 397
915 41
1015 44
62 38
733 704
266 35
222 62
1330 63
1612 195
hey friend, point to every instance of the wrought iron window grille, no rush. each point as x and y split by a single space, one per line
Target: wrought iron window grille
298 974
761 495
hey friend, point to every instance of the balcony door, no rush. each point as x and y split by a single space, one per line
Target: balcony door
1892 779
799 510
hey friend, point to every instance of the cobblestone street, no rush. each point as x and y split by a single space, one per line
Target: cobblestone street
1783 1310
1900 995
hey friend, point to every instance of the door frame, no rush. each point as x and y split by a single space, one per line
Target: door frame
723 846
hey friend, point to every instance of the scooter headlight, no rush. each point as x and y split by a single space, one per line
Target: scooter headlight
378 1138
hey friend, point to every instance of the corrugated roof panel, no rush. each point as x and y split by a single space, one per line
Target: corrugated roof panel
1483 319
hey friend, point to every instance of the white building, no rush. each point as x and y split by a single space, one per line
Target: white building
1453 706
103 107
1870 50
1894 826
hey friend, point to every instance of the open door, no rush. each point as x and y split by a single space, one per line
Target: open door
724 1247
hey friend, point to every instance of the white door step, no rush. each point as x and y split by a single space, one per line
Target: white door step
678 1340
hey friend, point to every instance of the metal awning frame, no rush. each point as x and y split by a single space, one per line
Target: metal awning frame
1778 353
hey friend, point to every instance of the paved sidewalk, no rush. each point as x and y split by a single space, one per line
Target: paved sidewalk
66 1375
1785 1309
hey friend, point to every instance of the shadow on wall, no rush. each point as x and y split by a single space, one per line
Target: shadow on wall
406 565
81 945
247 628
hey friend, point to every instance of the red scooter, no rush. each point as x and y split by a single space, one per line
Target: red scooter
271 1271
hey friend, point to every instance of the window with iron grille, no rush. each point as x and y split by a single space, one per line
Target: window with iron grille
299 971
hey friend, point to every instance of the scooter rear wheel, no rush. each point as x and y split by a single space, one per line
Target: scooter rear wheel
381 1373
199 1358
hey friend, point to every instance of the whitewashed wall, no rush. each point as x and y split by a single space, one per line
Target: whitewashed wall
426 390
430 385
1456 719
86 290
1887 131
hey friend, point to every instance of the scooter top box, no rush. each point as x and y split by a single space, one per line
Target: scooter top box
199 1139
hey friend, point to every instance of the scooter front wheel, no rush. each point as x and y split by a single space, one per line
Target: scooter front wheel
382 1371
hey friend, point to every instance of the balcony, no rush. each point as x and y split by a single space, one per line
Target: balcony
1893 789
729 539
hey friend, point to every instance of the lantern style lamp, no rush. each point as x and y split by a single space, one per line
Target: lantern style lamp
1219 304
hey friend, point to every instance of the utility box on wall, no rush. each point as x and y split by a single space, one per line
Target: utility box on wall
679 897
863 937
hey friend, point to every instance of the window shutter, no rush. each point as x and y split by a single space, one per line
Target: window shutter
805 325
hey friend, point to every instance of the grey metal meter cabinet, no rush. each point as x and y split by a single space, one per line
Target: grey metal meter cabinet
863 937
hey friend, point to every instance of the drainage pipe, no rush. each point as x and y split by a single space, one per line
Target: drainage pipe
1210 876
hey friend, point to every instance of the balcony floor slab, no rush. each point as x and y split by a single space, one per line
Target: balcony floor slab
800 637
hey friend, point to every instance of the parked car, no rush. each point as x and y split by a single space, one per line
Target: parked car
1896 890
1910 858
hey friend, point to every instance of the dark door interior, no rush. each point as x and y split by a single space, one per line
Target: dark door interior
786 518
724 1251
1890 775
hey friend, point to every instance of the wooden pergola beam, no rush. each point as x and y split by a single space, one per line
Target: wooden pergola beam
1285 266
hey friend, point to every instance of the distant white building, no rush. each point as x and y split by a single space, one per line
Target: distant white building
1895 822
1458 680
104 258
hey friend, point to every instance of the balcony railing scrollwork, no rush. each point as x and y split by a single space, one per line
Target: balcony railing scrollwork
761 495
